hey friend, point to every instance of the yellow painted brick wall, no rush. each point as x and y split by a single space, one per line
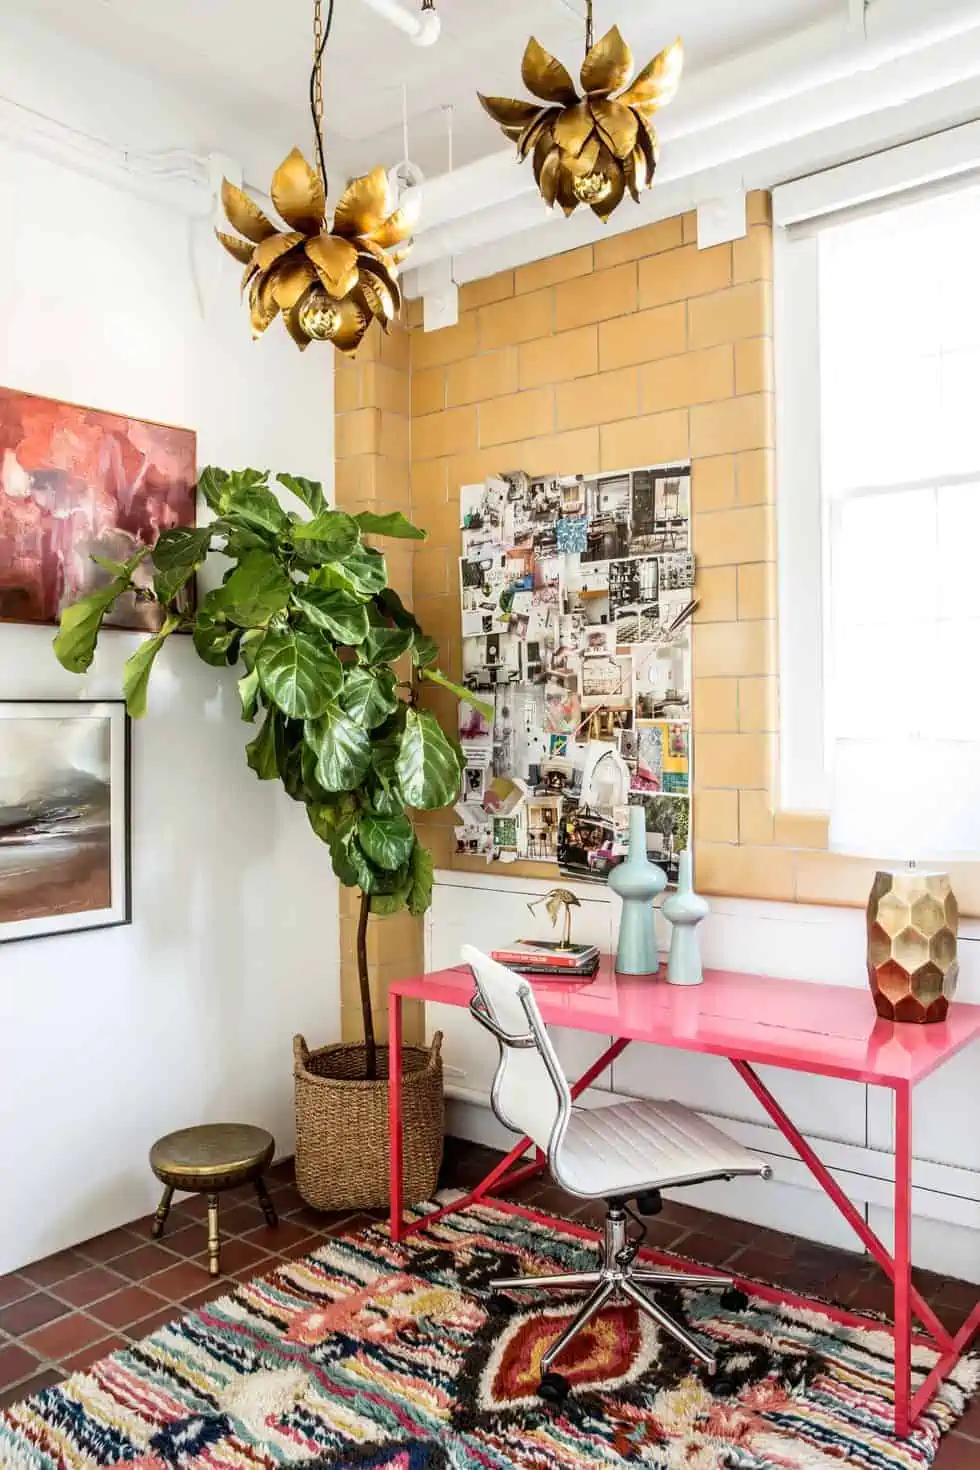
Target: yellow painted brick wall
372 396
638 349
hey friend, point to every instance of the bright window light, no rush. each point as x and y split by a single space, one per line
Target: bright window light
899 346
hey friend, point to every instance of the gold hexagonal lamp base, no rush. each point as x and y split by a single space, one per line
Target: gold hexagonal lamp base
912 966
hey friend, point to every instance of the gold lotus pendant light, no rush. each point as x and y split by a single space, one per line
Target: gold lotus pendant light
328 282
590 149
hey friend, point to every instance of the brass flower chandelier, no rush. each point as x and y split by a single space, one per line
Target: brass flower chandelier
590 149
328 282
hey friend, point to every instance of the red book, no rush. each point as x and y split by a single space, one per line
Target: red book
545 957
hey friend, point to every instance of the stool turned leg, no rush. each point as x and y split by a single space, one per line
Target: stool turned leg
214 1241
162 1211
268 1208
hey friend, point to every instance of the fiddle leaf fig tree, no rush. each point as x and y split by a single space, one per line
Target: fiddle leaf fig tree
329 664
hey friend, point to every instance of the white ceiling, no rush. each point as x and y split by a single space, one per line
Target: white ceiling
253 57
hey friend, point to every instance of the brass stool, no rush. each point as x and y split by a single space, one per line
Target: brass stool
207 1160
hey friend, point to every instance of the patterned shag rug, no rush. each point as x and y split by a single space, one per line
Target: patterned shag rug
369 1355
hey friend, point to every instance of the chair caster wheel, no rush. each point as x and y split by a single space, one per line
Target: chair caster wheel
734 1300
553 1389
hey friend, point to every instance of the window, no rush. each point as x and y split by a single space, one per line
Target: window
879 481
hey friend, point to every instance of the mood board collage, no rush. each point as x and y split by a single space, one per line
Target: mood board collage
577 595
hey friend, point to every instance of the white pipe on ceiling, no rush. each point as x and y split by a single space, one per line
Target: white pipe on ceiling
422 29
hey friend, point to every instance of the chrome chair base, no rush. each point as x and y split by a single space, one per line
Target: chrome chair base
617 1276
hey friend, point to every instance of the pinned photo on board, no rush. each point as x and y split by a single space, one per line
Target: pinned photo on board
586 842
633 581
482 514
661 509
636 625
668 820
661 680
474 841
609 518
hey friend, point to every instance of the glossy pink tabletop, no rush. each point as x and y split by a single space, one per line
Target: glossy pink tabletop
827 1029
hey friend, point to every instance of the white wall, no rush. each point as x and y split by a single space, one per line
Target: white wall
108 1039
850 1125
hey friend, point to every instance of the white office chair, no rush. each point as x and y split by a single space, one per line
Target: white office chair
629 1151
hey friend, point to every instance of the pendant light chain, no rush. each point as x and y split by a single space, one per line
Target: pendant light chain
321 35
589 34
317 72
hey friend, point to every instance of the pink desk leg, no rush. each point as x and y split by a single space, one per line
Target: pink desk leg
903 1259
395 1112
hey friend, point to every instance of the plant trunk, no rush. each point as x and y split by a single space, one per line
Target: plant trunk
364 981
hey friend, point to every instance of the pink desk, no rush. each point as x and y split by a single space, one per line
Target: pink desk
752 1020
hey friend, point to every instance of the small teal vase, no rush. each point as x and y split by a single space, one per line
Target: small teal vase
637 881
685 909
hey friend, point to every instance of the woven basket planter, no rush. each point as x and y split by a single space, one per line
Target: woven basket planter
342 1125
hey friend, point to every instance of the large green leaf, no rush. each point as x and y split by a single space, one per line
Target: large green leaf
182 547
385 905
425 651
333 819
300 673
366 569
368 695
340 613
330 536
261 752
427 767
258 508
289 754
213 636
386 744
248 693
74 643
138 667
390 604
420 893
385 797
176 557
387 841
392 524
213 485
166 585
256 591
308 492
252 640
311 785
384 645
368 876
343 749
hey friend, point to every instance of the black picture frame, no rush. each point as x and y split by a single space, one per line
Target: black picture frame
119 911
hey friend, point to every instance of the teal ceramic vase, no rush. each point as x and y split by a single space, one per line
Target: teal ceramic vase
637 881
685 909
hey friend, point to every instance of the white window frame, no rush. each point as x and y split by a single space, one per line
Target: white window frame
936 164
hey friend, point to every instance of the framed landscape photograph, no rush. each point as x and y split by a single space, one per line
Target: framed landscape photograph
77 482
64 816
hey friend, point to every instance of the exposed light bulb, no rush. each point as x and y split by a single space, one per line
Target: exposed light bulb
592 188
319 317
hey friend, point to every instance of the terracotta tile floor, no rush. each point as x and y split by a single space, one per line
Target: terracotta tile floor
61 1314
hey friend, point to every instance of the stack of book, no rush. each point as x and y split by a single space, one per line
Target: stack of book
549 960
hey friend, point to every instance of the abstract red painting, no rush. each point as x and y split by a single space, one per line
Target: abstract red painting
76 481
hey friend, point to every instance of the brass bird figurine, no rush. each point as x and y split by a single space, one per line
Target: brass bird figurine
590 149
554 901
329 284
